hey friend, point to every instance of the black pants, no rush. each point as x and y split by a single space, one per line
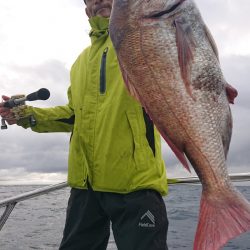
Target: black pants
139 220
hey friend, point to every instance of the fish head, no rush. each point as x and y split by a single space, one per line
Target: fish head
123 16
132 10
129 15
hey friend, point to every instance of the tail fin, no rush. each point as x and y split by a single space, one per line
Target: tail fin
222 217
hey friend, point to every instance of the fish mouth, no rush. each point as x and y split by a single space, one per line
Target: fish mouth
167 11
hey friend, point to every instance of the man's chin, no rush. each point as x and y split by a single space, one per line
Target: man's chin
103 12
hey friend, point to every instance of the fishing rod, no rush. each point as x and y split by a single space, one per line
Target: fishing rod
17 104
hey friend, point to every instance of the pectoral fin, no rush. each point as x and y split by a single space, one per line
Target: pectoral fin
185 45
178 152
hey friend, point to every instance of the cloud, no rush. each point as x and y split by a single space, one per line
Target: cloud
33 151
23 149
228 20
39 41
51 74
34 31
236 72
22 176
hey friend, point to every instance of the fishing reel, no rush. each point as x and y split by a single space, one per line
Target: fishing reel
17 105
16 110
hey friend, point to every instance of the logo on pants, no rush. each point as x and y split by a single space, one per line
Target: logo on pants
147 220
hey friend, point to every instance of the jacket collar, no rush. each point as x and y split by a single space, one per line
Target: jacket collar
99 27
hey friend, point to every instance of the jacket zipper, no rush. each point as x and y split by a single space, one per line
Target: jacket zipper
103 72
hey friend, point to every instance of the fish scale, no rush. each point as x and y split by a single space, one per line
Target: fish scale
170 64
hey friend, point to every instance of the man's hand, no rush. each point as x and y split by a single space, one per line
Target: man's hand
6 112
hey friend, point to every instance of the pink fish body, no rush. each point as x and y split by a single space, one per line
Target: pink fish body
170 64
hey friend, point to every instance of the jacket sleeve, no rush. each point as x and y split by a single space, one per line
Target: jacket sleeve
55 119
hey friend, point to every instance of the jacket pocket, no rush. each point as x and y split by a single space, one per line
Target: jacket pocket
149 131
139 155
103 71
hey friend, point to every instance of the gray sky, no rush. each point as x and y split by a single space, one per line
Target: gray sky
39 41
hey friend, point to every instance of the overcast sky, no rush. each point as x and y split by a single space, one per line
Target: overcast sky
39 41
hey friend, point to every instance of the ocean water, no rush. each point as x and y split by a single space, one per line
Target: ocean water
38 223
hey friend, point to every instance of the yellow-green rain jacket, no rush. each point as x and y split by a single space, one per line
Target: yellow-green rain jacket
111 144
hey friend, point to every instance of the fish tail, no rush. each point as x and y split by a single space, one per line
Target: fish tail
222 217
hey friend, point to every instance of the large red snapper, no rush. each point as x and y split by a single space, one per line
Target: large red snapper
170 64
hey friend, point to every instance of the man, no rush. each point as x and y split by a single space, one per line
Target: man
116 170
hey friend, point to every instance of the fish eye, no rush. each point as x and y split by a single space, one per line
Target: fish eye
167 11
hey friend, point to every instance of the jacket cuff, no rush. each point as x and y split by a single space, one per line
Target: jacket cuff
26 121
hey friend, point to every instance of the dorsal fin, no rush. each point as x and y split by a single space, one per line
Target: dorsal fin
211 41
